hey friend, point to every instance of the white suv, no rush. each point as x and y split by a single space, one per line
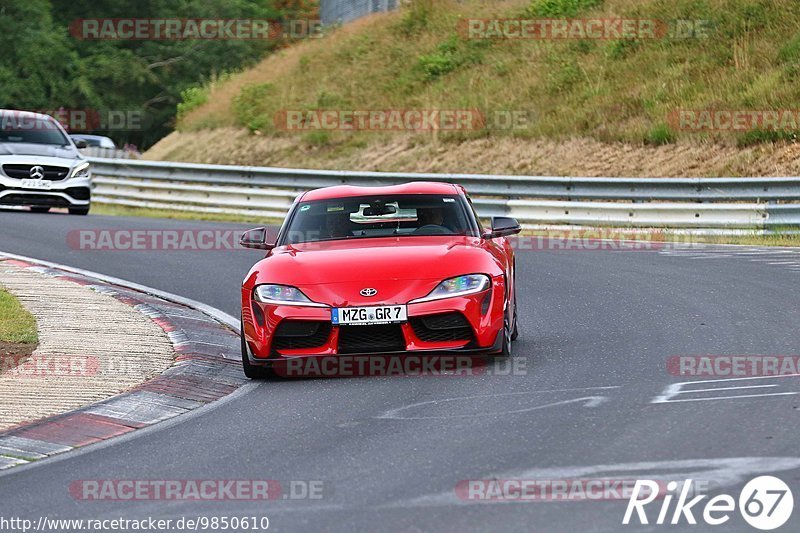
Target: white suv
40 166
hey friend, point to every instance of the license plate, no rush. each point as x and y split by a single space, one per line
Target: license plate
37 184
365 316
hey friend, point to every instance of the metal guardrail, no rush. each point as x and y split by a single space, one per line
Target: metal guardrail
744 203
108 153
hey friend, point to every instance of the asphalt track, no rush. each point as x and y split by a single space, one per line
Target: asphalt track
597 330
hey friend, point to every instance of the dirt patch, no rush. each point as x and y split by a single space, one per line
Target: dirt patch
13 354
569 157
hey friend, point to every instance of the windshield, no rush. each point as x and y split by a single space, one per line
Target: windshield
16 128
90 141
378 216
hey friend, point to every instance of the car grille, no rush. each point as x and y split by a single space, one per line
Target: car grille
300 334
442 328
371 339
35 200
23 172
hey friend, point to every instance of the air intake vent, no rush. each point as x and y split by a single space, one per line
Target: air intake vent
446 327
371 339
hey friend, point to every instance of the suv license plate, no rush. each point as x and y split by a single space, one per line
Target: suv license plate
37 184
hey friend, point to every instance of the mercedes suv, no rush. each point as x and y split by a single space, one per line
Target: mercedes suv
40 166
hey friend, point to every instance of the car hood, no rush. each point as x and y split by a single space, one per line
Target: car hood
43 150
399 268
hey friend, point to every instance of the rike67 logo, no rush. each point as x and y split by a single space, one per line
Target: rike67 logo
765 503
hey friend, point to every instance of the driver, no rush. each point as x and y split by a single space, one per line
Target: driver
430 216
338 225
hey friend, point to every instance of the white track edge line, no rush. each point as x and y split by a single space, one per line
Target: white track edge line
213 312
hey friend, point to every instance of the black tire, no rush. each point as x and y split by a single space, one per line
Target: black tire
508 341
79 210
40 209
515 331
515 327
252 371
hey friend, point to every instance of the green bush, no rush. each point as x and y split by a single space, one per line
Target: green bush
789 56
622 48
328 100
450 55
790 52
759 136
560 8
250 106
191 98
318 138
563 73
659 135
436 65
416 18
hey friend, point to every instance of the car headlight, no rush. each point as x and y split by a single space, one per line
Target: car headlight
459 286
81 171
282 295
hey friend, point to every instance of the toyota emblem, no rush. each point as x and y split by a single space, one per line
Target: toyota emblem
369 292
37 172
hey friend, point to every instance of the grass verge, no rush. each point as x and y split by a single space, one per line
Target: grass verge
17 325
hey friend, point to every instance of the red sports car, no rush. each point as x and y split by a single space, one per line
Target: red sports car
379 270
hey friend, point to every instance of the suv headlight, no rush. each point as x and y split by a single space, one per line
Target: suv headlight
458 286
81 171
282 295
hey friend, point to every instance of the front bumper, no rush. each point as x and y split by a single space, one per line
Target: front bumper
73 192
467 324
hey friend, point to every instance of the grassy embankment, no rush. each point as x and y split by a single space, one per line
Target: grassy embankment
608 91
595 107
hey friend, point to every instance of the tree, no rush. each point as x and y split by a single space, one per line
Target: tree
45 67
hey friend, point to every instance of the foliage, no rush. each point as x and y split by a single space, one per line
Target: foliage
560 8
46 67
17 325
724 55
250 104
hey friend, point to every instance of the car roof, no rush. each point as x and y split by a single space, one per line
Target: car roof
28 114
87 136
350 191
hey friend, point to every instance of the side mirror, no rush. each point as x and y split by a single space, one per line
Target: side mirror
503 227
80 143
256 239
